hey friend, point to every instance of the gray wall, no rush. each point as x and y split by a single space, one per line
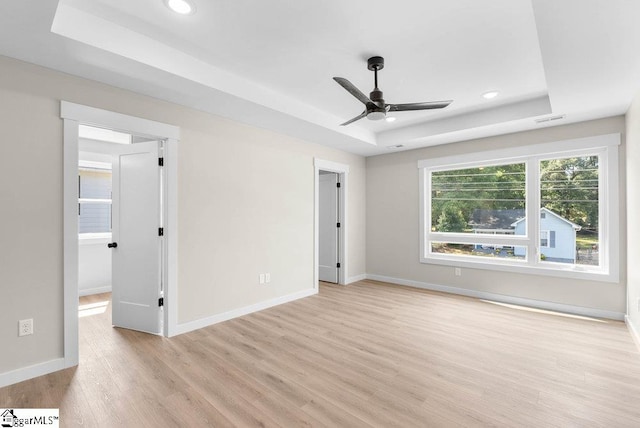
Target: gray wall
393 234
633 205
245 207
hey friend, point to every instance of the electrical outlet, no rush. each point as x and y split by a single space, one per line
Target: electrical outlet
25 327
267 278
458 272
261 277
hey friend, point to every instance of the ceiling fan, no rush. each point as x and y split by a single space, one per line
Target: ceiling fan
375 107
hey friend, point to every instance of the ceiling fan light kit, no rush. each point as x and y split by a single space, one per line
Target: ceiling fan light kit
376 115
375 106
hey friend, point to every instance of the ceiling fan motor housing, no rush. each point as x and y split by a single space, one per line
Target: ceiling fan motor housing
377 110
377 97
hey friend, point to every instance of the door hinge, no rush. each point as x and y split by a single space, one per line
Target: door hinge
161 231
160 161
338 265
161 301
338 225
337 184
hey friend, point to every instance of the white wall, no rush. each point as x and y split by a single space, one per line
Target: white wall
393 234
94 265
245 207
633 207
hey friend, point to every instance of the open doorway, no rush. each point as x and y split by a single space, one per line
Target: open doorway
329 226
148 163
96 147
331 223
120 226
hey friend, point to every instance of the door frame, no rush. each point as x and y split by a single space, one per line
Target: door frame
74 115
343 176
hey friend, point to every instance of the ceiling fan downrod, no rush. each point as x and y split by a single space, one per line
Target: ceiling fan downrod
374 64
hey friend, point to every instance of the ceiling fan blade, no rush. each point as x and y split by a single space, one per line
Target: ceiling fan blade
364 114
353 90
419 106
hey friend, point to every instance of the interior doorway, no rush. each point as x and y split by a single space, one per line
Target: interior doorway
120 226
331 222
164 221
329 227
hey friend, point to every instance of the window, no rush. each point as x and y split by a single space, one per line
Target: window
94 197
481 199
475 209
544 238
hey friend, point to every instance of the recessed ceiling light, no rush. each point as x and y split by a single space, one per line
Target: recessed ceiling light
390 119
183 7
490 95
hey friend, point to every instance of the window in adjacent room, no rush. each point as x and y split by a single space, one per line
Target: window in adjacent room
94 201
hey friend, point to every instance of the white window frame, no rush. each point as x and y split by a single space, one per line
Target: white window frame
604 146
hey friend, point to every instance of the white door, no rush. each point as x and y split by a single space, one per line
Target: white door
136 260
328 256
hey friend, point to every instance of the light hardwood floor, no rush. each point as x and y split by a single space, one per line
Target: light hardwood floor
369 354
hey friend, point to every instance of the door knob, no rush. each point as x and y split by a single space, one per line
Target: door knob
113 245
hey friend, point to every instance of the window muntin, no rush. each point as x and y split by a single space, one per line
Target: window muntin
600 263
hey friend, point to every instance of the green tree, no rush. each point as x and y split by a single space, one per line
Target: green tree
460 192
569 187
451 219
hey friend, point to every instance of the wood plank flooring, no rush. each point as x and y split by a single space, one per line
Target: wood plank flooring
369 354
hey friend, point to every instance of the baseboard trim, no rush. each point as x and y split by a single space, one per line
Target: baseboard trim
356 278
539 304
235 313
26 373
96 290
634 333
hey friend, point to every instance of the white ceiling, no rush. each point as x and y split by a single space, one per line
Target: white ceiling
271 64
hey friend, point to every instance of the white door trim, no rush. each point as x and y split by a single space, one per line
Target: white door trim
343 172
74 115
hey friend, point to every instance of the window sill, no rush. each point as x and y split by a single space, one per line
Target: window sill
558 270
94 238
